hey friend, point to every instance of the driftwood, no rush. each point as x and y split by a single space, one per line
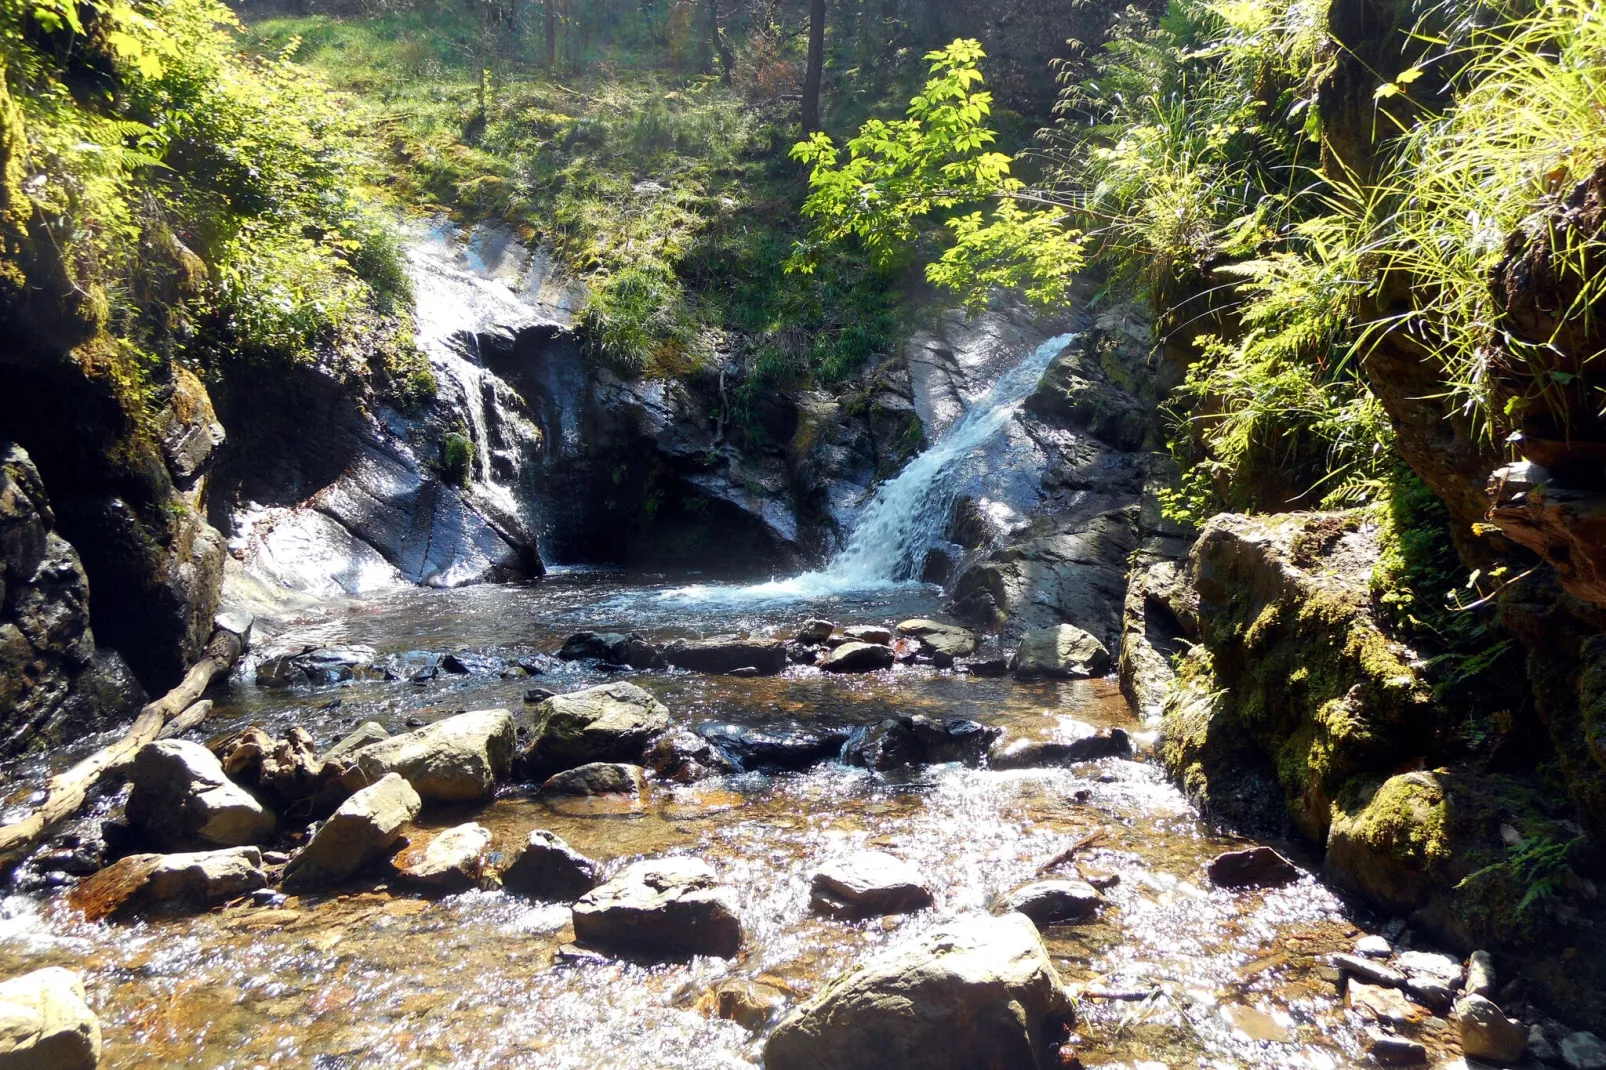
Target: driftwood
68 790
1070 852
193 717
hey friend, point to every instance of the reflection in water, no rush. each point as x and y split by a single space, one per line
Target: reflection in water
368 979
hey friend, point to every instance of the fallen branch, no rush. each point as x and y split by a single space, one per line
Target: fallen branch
68 790
193 717
1070 852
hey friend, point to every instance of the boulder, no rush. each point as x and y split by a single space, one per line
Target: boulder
815 632
348 746
1255 867
1375 972
1446 968
597 778
1040 753
661 909
1391 1050
547 868
684 757
458 759
1377 947
181 798
910 740
723 655
45 1023
948 640
317 666
750 1004
858 657
640 654
1381 1004
1481 974
976 994
866 884
1486 1032
1061 651
611 647
1054 902
774 750
450 861
1583 1051
869 633
609 723
174 883
356 834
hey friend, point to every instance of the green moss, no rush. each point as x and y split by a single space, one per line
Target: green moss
457 458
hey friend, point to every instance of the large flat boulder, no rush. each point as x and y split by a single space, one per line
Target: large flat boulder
175 883
858 657
45 1024
978 994
944 640
364 827
722 655
181 798
661 909
459 759
609 723
1063 651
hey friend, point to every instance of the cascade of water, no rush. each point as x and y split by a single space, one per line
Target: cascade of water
889 541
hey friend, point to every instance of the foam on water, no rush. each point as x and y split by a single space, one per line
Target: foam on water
907 514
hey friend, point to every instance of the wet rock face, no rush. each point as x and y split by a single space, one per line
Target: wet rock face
661 909
45 1023
981 992
612 722
53 680
1256 867
182 799
356 834
458 759
685 757
545 867
1041 753
169 884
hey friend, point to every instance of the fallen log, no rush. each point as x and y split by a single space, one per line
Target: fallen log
193 717
68 790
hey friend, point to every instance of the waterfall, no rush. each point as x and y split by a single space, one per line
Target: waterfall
908 513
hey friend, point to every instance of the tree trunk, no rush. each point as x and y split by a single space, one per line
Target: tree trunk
549 10
933 26
816 67
716 42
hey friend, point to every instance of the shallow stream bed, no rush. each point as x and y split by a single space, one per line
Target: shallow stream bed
1174 972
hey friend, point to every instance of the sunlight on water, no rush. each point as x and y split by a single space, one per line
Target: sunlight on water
907 515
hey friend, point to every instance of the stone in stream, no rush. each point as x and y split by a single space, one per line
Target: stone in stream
858 657
727 654
750 1004
1054 902
815 632
662 909
468 663
640 654
1391 1050
46 1024
1381 1004
1486 1032
1255 867
547 868
1540 1048
1583 1051
980 992
949 640
450 861
1373 947
611 647
1446 968
348 746
1375 972
684 757
1041 753
359 832
172 883
912 740
773 750
597 778
869 633
1480 974
182 799
608 723
867 884
457 759
1063 650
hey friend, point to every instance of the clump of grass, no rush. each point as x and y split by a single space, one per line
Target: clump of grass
457 458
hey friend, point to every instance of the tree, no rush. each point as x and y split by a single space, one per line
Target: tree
717 44
900 173
815 69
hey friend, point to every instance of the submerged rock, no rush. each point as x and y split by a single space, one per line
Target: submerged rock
182 798
1063 650
868 883
173 883
911 740
450 861
774 750
1256 867
46 1024
661 909
858 657
609 723
1486 1032
1041 753
1052 902
725 655
458 759
1583 1051
356 834
547 868
978 993
597 778
750 1004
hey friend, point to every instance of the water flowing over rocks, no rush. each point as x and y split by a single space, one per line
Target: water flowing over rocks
358 833
458 759
544 867
981 992
661 908
772 750
45 1023
182 799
